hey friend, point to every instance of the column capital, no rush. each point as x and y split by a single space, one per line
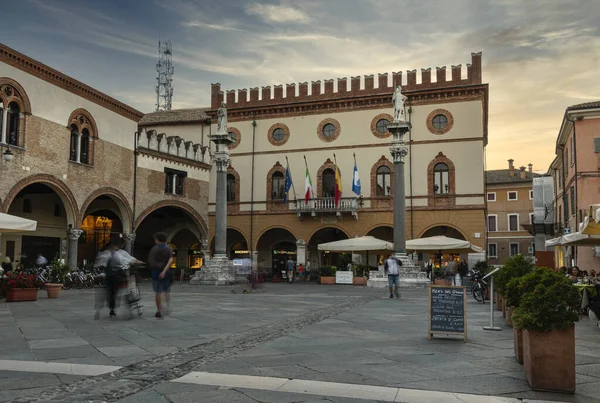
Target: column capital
222 161
128 237
300 242
74 233
399 152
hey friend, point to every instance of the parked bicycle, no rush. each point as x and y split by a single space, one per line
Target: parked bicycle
479 287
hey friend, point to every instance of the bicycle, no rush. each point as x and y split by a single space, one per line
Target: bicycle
479 287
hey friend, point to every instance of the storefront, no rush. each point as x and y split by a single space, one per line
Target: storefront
195 257
31 246
239 250
281 254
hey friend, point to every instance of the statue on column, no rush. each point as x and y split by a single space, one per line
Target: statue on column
222 119
398 99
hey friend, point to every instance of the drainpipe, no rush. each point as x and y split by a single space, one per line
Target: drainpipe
251 246
575 176
135 164
410 170
485 205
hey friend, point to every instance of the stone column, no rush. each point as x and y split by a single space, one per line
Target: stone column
129 239
73 234
399 151
4 129
301 252
221 163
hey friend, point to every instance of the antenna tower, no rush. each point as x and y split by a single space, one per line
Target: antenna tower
165 69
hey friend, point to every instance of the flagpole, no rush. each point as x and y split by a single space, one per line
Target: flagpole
291 180
311 189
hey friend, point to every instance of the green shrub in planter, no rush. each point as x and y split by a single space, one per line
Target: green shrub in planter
512 292
547 301
57 272
327 271
515 267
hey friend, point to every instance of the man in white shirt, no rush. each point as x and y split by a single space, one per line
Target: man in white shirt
392 269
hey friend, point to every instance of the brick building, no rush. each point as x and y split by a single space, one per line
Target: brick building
329 121
75 170
509 195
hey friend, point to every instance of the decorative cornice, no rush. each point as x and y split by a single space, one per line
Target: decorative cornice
174 158
48 74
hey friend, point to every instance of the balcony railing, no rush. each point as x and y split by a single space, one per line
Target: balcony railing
327 205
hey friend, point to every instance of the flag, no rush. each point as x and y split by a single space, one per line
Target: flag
288 183
338 187
307 187
356 180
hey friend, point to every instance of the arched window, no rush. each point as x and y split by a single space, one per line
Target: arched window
13 124
84 146
74 143
440 179
230 187
278 185
384 185
328 183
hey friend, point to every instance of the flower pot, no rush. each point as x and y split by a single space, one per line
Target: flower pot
504 308
21 294
276 279
549 360
499 302
53 290
327 280
518 338
359 280
439 281
509 312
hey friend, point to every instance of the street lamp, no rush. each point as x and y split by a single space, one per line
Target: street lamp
7 155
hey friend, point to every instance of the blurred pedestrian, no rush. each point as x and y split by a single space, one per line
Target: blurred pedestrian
7 265
392 269
289 266
159 261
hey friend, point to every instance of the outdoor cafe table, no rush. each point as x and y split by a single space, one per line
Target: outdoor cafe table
587 291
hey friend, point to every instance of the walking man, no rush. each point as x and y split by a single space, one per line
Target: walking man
289 266
392 269
159 261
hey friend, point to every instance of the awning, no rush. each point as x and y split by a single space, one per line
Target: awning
591 223
11 223
360 244
441 243
575 239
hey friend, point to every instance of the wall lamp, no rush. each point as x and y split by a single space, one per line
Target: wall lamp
7 155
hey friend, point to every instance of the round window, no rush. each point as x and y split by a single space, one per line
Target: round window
440 122
382 125
329 130
278 135
233 136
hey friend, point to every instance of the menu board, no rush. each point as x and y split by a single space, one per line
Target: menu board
447 310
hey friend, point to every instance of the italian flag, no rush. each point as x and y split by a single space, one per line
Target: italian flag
307 187
338 186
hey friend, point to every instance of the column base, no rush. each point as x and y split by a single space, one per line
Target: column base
218 271
411 275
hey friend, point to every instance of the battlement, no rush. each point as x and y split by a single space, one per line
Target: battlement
325 91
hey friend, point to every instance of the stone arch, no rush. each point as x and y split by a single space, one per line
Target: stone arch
325 227
326 165
211 242
118 198
380 225
61 189
453 227
441 199
176 229
199 221
21 98
264 231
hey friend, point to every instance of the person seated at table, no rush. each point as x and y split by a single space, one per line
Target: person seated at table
593 274
575 274
585 273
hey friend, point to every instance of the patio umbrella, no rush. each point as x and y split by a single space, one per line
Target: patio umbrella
439 244
11 223
555 241
579 239
591 223
360 244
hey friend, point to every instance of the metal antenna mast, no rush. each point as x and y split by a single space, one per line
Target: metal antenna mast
165 69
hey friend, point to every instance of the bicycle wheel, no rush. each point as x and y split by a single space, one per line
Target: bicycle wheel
478 294
67 284
78 282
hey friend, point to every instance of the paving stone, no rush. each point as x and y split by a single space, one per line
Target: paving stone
122 351
45 354
146 396
58 343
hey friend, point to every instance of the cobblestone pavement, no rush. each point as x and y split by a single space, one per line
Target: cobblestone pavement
344 334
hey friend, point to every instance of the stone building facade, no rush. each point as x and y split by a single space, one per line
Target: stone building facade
509 196
75 169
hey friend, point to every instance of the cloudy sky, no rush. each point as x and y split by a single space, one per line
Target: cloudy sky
539 56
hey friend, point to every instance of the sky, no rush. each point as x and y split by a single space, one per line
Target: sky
539 56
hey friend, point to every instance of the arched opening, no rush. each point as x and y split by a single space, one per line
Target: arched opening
278 185
275 247
237 246
230 187
385 233
195 256
43 204
84 157
1 121
444 230
318 258
13 123
74 143
384 184
328 183
440 179
182 243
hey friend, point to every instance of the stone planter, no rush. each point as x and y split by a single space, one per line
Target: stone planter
359 280
327 280
518 337
509 312
276 279
504 308
439 281
53 290
498 299
549 360
21 294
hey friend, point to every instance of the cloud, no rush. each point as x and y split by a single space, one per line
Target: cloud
199 24
277 13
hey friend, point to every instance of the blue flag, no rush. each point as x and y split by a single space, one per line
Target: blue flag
288 183
356 180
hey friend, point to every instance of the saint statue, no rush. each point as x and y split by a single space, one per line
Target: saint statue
398 99
222 119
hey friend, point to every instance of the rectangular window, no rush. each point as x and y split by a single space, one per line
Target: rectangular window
492 223
531 195
573 149
566 157
513 222
174 181
514 248
491 196
531 218
27 206
512 196
572 191
597 144
492 250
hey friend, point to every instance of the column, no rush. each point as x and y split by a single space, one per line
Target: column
4 122
129 239
301 252
399 151
2 249
73 235
78 157
222 163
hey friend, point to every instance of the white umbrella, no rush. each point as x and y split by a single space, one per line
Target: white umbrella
555 241
361 244
591 224
441 243
11 223
577 238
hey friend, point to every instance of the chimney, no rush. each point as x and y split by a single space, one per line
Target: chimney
522 174
530 165
511 167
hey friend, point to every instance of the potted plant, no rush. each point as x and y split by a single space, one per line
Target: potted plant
438 276
513 298
548 308
56 278
327 274
20 287
361 274
515 267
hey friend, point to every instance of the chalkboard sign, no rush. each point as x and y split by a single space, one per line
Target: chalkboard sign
447 310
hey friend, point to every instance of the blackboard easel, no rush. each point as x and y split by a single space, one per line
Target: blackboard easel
447 313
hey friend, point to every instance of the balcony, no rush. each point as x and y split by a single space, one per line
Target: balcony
326 205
